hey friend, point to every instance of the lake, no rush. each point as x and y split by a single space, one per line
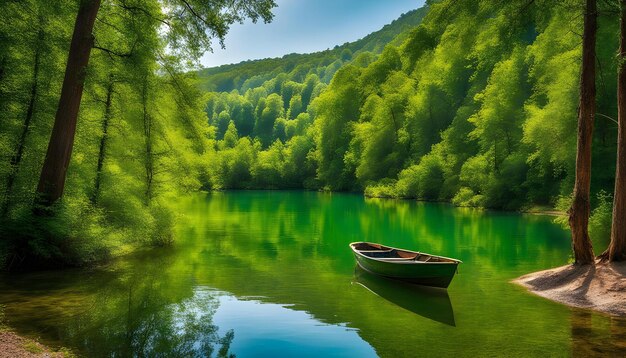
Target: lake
267 273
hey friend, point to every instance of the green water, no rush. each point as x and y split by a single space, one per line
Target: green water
271 274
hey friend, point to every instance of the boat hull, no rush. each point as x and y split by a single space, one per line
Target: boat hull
434 274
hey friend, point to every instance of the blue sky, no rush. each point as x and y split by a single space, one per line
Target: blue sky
305 26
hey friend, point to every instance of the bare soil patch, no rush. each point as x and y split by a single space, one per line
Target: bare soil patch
601 287
15 346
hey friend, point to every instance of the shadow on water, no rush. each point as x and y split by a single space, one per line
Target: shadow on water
429 302
592 337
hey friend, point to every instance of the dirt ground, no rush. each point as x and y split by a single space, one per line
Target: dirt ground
15 346
601 287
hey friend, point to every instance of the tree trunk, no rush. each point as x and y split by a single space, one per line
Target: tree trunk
495 157
103 140
3 65
52 179
16 159
617 247
579 212
395 124
147 130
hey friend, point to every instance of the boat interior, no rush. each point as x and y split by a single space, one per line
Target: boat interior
390 254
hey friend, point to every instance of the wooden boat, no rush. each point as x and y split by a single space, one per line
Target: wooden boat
405 265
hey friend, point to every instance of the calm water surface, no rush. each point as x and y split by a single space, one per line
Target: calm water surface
271 274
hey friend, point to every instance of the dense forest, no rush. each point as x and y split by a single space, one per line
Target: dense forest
472 102
477 105
141 137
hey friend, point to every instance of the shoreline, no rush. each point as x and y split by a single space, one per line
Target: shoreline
600 288
13 345
534 209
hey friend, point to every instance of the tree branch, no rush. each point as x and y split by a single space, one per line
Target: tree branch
188 6
114 53
144 11
607 117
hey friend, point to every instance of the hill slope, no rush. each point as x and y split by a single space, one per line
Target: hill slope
476 105
225 78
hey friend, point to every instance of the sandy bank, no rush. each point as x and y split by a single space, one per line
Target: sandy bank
601 287
15 346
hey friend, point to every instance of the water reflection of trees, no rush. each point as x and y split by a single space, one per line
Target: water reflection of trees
292 248
151 312
143 323
139 307
307 235
495 238
597 338
324 222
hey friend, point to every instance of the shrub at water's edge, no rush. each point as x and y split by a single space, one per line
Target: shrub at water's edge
75 233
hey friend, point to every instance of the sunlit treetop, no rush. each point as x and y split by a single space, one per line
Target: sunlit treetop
187 27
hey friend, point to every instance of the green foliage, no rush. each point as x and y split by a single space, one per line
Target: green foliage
32 347
336 109
563 204
264 127
600 220
385 189
295 67
462 101
72 232
467 197
475 105
142 137
423 180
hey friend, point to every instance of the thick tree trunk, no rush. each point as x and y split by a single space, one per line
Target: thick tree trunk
52 179
103 141
16 159
579 212
617 247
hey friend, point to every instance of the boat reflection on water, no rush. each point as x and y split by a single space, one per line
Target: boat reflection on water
429 302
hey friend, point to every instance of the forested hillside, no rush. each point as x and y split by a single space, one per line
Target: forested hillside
477 106
251 74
